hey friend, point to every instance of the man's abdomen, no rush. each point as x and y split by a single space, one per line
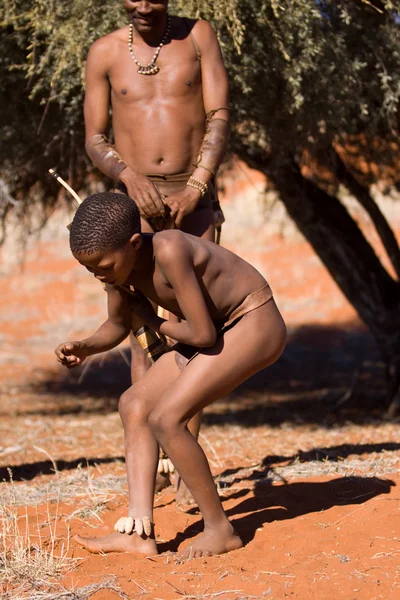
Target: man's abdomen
160 137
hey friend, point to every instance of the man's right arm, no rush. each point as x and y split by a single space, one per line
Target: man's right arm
102 153
96 108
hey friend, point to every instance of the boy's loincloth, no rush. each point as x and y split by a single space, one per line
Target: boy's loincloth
185 353
171 184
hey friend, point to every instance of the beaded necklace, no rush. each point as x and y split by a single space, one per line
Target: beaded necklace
151 68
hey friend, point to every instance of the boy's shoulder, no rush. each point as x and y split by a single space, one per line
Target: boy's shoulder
171 244
169 238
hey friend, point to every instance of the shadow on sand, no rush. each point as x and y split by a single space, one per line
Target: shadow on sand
288 501
326 375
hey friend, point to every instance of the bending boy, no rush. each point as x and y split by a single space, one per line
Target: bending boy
230 329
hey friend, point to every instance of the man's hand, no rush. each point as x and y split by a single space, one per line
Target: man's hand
182 203
143 192
71 354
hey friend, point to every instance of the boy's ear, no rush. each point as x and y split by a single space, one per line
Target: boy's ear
136 241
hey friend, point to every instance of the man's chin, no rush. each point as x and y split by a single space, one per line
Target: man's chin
143 26
120 281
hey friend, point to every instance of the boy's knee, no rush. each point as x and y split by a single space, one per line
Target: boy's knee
132 404
162 424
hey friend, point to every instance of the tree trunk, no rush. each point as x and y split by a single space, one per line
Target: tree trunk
347 255
361 193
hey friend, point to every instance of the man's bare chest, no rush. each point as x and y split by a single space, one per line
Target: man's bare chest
179 75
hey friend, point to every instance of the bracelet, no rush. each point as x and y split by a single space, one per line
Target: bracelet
206 168
198 185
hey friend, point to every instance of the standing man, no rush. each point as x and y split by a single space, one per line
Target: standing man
165 81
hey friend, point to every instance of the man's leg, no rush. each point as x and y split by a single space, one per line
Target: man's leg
201 224
140 364
241 352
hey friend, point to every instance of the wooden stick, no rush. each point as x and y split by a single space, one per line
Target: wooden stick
67 187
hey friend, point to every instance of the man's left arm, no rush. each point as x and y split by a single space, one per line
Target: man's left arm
215 90
216 104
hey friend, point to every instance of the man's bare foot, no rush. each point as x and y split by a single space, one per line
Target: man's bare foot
118 542
211 543
183 496
162 481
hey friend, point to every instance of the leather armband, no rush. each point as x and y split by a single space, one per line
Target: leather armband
214 145
104 156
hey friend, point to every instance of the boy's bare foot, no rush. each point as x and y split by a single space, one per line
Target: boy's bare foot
183 496
212 542
118 542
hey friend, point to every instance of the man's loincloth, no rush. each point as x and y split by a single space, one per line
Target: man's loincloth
171 184
185 353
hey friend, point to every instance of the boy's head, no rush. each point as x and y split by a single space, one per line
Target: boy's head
105 234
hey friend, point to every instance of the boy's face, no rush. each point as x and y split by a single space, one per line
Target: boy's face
110 267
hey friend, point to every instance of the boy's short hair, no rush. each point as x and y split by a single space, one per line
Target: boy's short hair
104 222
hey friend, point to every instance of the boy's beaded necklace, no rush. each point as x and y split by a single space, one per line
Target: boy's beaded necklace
151 68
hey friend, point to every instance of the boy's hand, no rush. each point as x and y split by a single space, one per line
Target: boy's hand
71 354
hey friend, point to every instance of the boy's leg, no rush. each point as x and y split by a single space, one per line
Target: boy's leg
201 224
141 457
242 351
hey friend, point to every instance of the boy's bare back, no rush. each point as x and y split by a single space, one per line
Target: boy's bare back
185 264
193 278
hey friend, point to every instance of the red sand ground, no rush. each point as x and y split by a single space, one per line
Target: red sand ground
309 479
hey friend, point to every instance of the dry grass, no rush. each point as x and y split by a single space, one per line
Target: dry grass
95 491
374 465
32 557
33 554
62 593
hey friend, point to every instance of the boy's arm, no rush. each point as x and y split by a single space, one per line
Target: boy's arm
176 263
102 153
111 333
117 327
